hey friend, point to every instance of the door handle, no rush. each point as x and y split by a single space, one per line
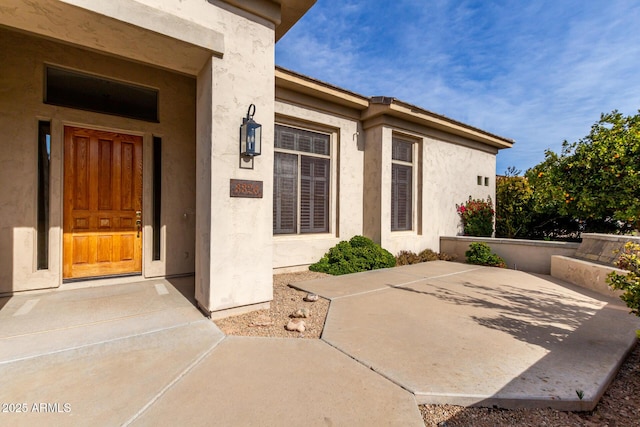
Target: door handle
138 227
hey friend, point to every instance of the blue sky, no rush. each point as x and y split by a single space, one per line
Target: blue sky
538 72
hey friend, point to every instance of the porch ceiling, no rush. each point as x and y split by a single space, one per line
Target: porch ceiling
123 28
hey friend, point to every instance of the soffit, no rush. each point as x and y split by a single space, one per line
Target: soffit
123 28
283 13
292 11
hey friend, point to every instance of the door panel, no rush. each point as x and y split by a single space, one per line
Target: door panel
102 203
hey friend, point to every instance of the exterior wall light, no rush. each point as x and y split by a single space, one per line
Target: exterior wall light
250 135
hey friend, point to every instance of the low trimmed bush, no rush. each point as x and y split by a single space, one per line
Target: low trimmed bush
358 254
408 257
480 253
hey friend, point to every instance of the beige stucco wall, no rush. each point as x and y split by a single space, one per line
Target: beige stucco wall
533 256
586 274
234 235
445 173
346 207
450 177
23 58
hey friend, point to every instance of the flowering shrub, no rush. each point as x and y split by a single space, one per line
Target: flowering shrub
628 260
477 217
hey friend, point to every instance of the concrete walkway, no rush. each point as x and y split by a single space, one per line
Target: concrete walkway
142 354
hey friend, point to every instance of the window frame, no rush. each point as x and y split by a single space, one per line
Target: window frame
297 230
399 164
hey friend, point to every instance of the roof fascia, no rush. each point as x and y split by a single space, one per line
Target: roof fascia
390 107
316 89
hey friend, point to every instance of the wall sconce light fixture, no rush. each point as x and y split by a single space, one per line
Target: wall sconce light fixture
250 135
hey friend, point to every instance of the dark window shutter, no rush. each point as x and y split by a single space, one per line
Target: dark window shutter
285 193
313 206
402 150
314 195
401 189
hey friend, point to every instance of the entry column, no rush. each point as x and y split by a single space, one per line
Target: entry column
233 234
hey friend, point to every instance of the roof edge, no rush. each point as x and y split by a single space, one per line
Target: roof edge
375 106
384 105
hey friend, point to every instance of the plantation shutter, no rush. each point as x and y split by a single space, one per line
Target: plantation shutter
402 150
401 189
285 193
301 181
401 184
314 195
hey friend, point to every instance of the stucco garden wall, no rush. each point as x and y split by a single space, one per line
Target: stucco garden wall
533 256
345 208
23 59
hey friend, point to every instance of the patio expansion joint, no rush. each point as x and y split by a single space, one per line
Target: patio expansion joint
66 328
20 359
400 286
371 368
360 293
173 382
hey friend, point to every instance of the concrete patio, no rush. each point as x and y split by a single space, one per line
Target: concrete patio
438 332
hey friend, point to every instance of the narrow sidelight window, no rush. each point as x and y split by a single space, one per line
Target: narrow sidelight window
401 185
157 195
44 157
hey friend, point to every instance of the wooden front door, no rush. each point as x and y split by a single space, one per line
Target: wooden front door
102 203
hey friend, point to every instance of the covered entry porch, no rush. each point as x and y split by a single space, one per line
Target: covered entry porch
207 62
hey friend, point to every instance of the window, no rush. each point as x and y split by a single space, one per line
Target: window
44 157
87 92
301 177
157 195
401 185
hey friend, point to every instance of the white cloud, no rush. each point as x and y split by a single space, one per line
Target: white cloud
538 73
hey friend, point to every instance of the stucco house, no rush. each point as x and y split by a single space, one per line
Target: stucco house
120 158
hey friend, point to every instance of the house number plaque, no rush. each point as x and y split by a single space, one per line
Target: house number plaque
244 188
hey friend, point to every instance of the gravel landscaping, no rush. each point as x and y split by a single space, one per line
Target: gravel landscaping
286 301
620 405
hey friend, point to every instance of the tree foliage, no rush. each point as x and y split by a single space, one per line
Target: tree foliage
514 205
597 179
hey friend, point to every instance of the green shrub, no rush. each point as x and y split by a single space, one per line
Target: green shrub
480 253
477 217
355 255
628 260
